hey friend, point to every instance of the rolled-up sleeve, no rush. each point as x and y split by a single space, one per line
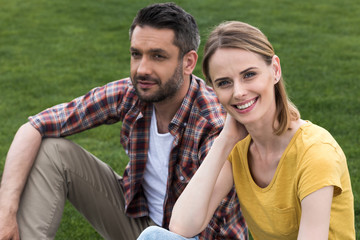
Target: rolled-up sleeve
99 106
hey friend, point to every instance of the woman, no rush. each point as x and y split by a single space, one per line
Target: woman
290 175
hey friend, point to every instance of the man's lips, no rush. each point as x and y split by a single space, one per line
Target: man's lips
146 83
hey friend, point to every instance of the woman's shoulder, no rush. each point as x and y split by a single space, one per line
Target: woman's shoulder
312 133
317 140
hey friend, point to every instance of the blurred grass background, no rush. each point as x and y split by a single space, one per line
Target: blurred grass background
54 51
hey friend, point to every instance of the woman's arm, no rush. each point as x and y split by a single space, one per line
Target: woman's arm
198 202
210 184
315 214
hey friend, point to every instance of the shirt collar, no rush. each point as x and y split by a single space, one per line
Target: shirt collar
180 119
182 115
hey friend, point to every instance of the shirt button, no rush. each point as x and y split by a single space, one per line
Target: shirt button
182 178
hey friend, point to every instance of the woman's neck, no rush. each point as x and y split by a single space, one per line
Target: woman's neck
266 150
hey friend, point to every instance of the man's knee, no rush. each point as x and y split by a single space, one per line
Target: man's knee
53 146
53 151
51 162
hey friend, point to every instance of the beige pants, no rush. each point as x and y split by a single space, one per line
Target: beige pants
64 170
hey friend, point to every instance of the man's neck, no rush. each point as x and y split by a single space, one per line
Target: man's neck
166 110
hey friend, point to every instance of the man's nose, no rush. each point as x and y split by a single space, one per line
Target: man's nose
144 67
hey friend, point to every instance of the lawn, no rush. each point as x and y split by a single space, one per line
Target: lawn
53 51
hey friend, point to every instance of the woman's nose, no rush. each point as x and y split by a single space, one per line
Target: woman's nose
239 90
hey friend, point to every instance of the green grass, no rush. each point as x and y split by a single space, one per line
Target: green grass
53 51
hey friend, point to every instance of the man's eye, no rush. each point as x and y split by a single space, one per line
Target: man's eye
159 57
135 54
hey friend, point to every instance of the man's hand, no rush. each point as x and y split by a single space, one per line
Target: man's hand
8 224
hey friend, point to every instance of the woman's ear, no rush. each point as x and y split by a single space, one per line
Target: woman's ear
276 68
189 62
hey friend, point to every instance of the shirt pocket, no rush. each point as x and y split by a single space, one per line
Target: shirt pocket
182 176
285 221
183 170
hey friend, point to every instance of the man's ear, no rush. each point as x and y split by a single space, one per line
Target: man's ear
277 68
189 62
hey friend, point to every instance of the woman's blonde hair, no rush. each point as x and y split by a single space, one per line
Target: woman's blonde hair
235 34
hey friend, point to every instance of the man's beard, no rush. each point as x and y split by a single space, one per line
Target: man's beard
166 91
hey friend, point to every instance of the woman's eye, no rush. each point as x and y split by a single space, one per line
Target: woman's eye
223 83
249 74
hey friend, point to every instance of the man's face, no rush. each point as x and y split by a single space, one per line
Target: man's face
156 71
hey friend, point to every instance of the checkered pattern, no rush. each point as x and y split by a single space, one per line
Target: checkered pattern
195 125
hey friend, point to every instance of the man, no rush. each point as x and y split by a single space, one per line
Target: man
169 121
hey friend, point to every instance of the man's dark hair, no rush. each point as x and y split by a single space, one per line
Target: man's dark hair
170 16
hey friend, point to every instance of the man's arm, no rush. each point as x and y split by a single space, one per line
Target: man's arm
19 161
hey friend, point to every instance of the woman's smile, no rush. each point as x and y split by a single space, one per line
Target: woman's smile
247 105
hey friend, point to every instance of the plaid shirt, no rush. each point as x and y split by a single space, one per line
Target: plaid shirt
195 125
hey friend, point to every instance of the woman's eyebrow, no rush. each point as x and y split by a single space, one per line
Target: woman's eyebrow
246 70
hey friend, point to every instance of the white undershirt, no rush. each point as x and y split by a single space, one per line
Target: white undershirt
156 170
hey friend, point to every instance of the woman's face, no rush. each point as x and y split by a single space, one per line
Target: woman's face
244 84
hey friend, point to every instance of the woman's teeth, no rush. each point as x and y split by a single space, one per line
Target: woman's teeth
246 105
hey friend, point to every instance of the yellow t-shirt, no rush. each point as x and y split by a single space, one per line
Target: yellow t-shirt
311 161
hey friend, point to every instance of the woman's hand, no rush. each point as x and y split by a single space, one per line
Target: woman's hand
233 130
